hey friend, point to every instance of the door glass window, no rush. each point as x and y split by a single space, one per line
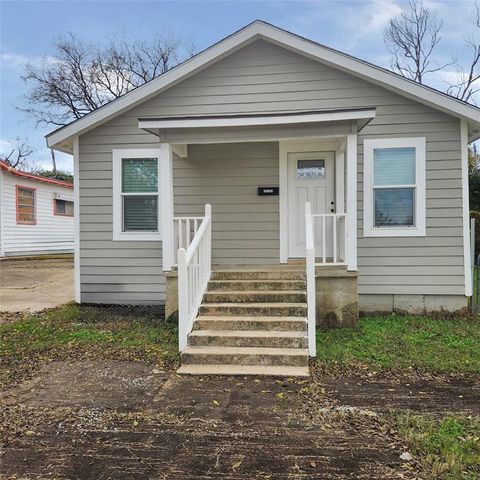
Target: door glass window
310 169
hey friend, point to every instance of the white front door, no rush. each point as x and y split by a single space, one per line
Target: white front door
311 178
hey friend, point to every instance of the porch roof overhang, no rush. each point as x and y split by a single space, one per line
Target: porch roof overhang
156 125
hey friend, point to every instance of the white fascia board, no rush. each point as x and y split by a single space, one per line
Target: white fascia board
247 121
261 30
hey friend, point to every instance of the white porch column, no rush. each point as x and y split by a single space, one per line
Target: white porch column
351 246
166 205
340 180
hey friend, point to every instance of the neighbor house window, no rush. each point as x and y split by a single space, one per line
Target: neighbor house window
394 187
26 205
136 194
63 208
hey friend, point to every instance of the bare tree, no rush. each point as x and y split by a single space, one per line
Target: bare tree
17 155
81 77
468 79
412 39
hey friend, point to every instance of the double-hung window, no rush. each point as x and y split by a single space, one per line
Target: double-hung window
394 187
136 194
26 205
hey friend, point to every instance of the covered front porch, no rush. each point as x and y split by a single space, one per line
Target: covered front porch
292 207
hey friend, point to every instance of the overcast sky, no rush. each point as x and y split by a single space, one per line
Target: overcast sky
28 29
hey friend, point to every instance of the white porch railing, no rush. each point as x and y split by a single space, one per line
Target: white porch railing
331 229
184 230
194 270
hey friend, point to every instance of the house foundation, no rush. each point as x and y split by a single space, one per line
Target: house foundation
336 298
414 304
171 294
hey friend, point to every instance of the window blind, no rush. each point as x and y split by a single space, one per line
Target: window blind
394 166
140 213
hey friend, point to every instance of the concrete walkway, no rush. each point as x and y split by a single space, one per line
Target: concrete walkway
35 284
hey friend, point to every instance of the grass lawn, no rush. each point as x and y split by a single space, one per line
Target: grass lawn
402 343
71 331
448 448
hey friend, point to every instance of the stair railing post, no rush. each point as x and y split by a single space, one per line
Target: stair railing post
310 270
183 301
208 218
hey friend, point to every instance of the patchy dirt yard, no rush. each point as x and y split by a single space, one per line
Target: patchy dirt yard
90 392
95 419
35 284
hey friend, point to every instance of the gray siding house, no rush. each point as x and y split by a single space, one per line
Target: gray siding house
273 158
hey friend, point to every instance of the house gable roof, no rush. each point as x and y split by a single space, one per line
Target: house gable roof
61 138
30 176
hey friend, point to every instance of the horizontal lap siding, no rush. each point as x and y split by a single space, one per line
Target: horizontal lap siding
113 272
245 226
419 265
265 78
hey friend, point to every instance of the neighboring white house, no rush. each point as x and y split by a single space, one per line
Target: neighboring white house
307 156
36 214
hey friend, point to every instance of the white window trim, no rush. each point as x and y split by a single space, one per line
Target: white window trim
419 230
117 155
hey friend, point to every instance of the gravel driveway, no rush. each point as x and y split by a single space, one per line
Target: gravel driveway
35 284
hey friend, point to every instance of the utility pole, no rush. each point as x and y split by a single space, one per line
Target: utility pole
53 161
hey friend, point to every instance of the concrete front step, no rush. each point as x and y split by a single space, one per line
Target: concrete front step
245 296
270 370
293 357
248 338
258 275
219 322
261 309
256 285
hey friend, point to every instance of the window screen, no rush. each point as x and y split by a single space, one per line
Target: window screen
139 175
140 212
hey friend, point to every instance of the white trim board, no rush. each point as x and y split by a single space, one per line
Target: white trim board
419 230
117 156
351 250
467 254
76 214
61 138
255 120
299 145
